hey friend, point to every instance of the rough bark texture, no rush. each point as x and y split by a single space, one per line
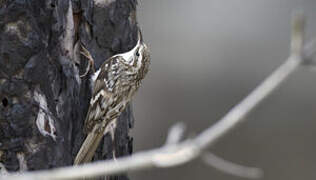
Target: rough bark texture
43 100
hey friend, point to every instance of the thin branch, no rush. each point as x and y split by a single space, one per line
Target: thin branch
297 37
231 168
174 153
238 113
175 133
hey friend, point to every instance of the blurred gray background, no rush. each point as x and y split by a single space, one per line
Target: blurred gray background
206 56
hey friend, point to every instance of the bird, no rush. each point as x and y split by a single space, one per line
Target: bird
113 86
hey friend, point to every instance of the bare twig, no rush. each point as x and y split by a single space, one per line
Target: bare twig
175 133
237 114
174 153
297 37
231 168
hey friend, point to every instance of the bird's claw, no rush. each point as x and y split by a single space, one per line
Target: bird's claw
85 52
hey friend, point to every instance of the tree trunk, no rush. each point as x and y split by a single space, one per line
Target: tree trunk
43 99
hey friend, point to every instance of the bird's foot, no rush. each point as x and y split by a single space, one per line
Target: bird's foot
85 52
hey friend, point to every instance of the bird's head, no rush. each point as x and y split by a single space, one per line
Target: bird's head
138 58
142 56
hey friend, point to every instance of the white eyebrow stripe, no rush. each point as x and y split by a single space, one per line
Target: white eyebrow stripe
128 56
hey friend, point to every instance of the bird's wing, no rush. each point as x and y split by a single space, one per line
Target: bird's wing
105 95
106 104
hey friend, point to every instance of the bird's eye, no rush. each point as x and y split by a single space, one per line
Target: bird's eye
137 54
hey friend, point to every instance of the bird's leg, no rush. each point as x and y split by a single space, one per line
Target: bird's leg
110 128
87 54
112 133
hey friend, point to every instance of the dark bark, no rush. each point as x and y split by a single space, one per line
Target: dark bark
40 63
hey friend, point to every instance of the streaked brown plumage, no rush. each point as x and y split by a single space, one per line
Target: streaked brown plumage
114 85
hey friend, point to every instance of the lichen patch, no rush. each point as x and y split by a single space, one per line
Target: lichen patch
44 122
19 28
103 3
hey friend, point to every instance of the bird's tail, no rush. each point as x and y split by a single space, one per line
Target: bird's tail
88 148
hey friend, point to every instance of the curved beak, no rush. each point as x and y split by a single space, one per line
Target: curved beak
140 36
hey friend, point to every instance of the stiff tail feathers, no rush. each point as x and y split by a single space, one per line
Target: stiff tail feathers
88 148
